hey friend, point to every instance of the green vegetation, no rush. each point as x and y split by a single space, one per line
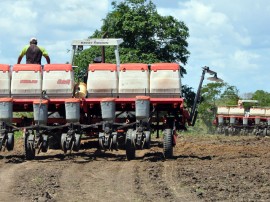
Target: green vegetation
262 96
18 135
23 114
148 36
214 95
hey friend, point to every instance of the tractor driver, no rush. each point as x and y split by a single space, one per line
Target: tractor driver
33 53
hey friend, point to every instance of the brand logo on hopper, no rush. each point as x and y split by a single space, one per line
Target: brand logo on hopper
28 81
61 81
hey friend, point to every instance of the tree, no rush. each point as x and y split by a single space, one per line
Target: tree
189 95
215 94
229 96
148 36
263 98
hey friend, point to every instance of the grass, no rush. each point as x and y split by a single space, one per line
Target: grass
18 134
23 114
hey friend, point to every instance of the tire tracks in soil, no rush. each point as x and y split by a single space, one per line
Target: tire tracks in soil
99 181
170 177
7 179
155 180
37 180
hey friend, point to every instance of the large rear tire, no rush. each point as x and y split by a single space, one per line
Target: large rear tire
130 145
168 143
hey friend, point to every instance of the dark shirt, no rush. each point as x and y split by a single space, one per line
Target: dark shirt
33 55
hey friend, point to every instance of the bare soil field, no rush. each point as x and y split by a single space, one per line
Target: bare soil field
204 168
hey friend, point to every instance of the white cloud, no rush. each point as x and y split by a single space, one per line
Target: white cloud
54 23
17 17
245 60
79 13
232 38
201 13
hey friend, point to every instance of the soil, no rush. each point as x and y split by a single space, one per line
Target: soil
204 168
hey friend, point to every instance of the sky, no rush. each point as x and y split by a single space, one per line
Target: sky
230 37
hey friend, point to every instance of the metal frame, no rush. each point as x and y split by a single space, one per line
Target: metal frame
78 45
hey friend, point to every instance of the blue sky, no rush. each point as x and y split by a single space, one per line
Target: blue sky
231 37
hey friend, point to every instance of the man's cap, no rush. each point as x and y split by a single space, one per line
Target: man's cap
33 40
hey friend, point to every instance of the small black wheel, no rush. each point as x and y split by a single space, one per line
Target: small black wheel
45 144
226 131
219 130
147 139
114 140
29 148
130 145
167 143
77 142
234 131
101 140
242 132
1 142
64 142
10 141
265 132
254 132
230 131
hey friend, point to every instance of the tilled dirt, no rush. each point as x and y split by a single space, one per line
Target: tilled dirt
204 168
